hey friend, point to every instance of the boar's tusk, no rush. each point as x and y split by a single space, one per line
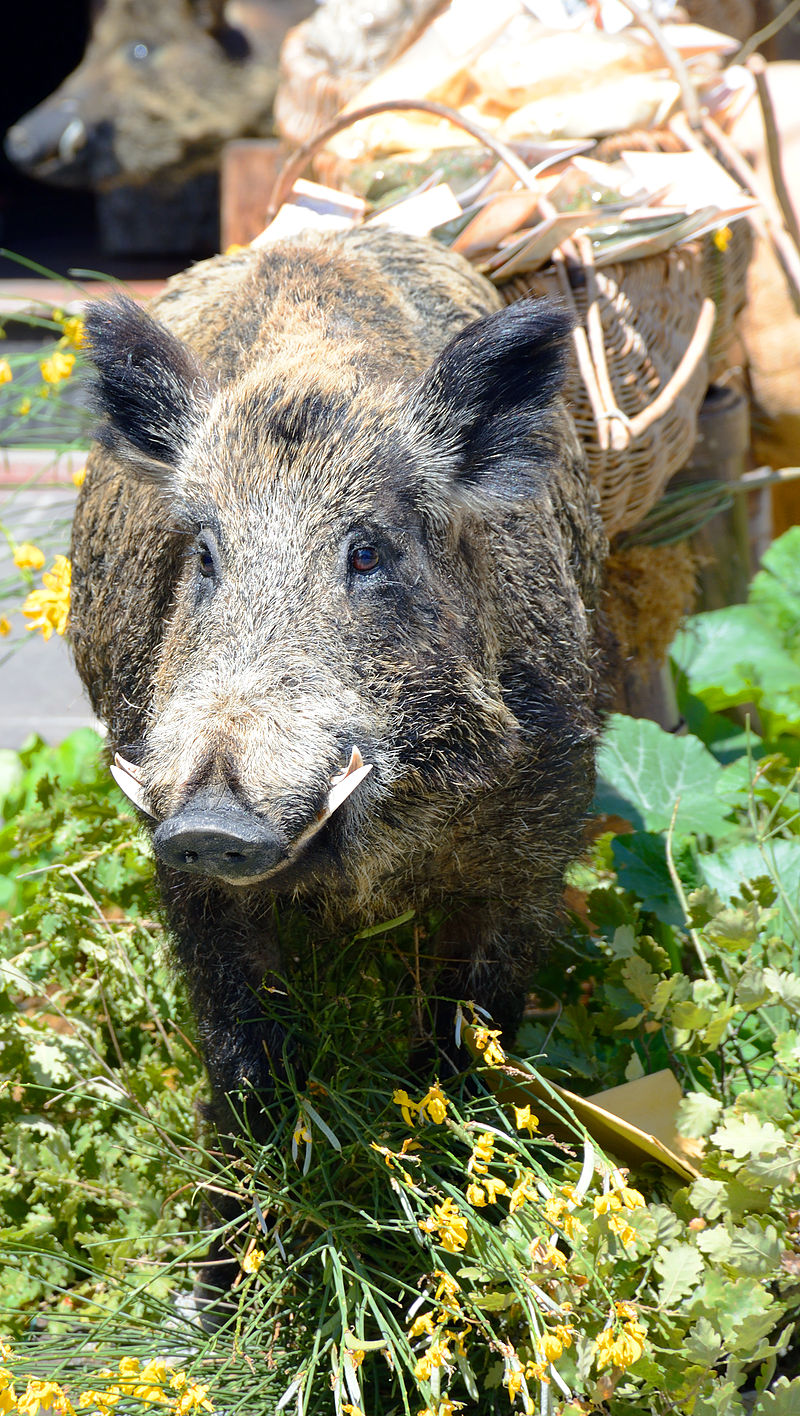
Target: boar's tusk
341 789
342 785
356 761
127 779
72 140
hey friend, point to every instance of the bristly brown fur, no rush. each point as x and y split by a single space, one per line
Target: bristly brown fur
302 399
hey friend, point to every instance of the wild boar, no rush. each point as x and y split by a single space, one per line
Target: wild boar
162 85
338 527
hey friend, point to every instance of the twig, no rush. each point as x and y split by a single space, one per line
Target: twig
649 22
752 44
780 240
684 903
758 69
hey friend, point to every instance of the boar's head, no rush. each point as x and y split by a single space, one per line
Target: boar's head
162 85
360 573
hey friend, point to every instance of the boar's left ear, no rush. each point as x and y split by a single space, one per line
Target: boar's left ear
487 398
151 389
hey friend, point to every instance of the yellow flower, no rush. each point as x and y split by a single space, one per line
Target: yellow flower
103 1400
5 626
28 557
407 1106
524 1188
448 1286
57 367
451 1225
536 1372
626 1310
447 1407
5 372
79 477
177 1381
8 1396
513 1381
604 1204
438 1355
624 1231
6 1351
525 1119
351 1410
482 1154
547 1253
252 1262
564 1334
550 1347
722 238
45 1399
434 1103
621 1350
632 1199
48 608
74 332
476 1196
193 1399
23 408
486 1042
424 1323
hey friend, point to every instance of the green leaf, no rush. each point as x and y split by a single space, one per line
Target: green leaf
639 979
703 1344
746 1136
697 1114
640 860
756 1248
708 1197
775 589
680 1268
733 1305
651 769
735 656
783 1399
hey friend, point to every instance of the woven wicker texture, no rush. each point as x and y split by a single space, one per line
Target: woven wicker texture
649 313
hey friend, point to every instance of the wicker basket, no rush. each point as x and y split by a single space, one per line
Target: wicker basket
653 324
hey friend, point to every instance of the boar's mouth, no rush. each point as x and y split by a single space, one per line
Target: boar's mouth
215 836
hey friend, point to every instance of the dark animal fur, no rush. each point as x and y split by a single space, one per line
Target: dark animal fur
295 401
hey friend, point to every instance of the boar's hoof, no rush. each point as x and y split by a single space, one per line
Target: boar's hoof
213 835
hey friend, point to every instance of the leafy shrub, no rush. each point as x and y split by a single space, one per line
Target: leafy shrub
427 1245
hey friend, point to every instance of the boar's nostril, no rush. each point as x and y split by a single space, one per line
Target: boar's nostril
216 836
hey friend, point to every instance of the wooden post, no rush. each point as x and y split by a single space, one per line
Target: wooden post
249 169
722 546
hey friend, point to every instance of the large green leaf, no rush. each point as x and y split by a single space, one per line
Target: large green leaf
775 590
737 655
652 769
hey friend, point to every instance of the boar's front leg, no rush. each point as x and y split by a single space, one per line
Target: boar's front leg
473 959
227 959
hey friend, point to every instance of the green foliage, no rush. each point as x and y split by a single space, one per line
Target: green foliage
405 1250
98 1077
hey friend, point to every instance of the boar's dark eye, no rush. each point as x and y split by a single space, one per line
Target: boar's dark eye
363 559
207 553
138 52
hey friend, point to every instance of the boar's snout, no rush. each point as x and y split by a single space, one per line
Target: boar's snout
214 835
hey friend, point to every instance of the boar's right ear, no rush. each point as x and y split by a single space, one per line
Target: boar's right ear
487 399
150 388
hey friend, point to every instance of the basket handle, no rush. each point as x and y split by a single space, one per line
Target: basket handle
673 388
298 162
